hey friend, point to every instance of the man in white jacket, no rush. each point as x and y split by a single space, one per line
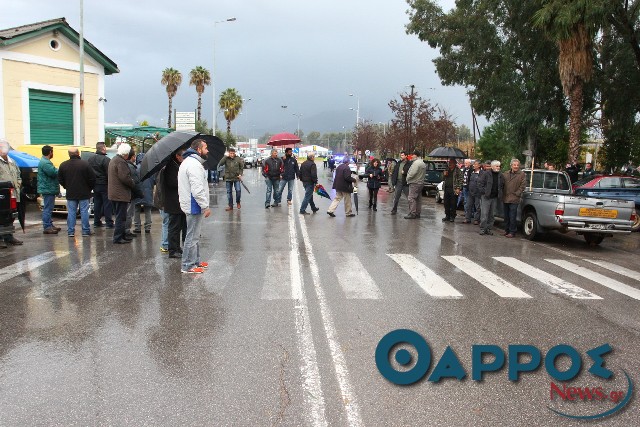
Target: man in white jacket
193 194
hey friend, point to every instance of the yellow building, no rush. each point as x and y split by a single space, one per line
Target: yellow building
40 85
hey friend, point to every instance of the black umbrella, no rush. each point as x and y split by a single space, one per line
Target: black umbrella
216 149
22 209
355 198
447 152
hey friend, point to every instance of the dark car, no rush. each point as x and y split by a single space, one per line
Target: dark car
612 187
433 176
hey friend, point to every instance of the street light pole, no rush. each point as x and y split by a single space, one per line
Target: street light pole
213 77
357 109
298 116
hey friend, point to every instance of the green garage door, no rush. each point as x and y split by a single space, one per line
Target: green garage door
51 116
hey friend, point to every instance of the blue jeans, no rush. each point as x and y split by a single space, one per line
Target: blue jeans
47 209
271 185
284 183
191 248
164 236
102 205
72 208
510 213
230 186
308 197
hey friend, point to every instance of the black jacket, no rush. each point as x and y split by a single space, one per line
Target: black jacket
77 177
343 180
485 183
374 182
273 168
100 165
473 184
291 168
170 187
308 172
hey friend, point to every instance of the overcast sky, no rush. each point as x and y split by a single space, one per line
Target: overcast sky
308 55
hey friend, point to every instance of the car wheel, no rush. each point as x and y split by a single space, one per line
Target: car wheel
636 224
530 226
438 198
593 239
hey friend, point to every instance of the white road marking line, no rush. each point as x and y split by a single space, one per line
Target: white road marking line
353 277
550 280
490 280
598 278
223 264
429 281
313 395
277 285
28 264
349 400
616 268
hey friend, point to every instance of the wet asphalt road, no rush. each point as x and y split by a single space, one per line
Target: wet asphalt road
282 329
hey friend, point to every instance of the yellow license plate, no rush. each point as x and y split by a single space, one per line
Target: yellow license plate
599 213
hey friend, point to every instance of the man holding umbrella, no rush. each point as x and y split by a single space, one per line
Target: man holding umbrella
343 184
9 171
272 171
233 169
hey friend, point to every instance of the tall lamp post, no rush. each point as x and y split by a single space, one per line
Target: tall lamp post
213 78
357 109
298 115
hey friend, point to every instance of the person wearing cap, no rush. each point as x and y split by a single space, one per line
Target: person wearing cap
415 180
343 184
233 170
309 177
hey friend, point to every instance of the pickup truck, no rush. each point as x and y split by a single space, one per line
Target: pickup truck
8 207
548 204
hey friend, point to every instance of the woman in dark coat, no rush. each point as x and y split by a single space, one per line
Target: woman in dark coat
374 174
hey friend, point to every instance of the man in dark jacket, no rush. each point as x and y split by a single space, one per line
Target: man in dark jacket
309 176
120 185
272 171
101 204
452 187
48 188
343 184
78 178
177 218
399 180
289 175
233 170
490 187
472 205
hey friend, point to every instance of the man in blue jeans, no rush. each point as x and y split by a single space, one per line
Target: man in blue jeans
193 194
78 178
272 171
233 170
48 188
291 171
309 176
514 184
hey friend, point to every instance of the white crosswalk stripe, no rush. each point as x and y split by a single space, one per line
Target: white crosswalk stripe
429 281
598 278
28 264
277 280
550 280
616 268
353 277
490 280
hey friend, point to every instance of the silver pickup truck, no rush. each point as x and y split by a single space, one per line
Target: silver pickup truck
548 204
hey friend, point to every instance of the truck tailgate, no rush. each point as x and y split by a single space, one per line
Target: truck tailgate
589 213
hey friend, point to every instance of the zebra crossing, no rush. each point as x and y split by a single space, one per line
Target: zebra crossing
356 283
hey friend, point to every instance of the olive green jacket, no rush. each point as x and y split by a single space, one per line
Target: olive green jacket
9 171
232 167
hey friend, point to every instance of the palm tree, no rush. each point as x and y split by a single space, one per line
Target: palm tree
199 77
573 24
171 78
231 104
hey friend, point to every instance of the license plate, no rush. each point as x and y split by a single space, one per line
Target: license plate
599 213
596 226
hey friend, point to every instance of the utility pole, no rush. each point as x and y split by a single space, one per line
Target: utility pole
411 119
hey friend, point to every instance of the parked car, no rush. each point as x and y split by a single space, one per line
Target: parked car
612 187
551 205
60 203
250 160
362 167
433 176
8 207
